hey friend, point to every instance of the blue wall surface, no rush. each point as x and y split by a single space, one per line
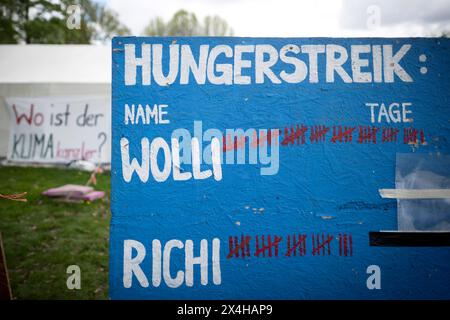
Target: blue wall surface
321 187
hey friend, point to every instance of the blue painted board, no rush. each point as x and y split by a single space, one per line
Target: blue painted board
323 187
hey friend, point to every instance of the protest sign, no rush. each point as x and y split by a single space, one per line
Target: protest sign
250 168
59 129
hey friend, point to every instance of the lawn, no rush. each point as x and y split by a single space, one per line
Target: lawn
43 237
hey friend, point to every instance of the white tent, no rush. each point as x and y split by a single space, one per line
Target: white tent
51 70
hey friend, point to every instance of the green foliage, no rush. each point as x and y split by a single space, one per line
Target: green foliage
215 26
11 12
111 25
185 23
156 27
42 237
45 21
54 31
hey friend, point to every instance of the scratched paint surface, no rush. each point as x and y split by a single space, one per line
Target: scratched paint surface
326 185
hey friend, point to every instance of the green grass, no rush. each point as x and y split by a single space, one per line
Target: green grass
43 237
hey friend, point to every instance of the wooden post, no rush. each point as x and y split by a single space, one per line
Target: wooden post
5 289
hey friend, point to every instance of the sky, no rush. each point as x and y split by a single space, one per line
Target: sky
300 18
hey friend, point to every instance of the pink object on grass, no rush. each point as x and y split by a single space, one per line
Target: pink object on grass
94 195
74 191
